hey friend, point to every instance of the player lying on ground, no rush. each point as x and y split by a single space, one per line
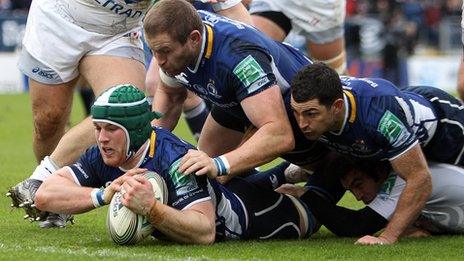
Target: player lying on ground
199 209
112 54
380 188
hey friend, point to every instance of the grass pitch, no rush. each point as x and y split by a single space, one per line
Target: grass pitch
88 240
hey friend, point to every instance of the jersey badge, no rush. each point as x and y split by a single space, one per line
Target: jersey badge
182 183
393 129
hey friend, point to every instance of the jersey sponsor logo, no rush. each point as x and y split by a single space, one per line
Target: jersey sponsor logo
49 74
387 186
213 19
183 184
121 9
393 129
78 165
249 72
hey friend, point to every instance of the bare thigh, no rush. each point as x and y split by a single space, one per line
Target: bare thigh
216 140
268 27
102 72
328 50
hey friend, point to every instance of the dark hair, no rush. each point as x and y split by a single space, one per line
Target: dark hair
178 18
317 81
375 169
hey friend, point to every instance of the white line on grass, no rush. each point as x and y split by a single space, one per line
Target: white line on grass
92 253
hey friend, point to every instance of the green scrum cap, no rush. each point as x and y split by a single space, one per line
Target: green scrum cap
126 107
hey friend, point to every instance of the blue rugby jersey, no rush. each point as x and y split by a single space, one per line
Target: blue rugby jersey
163 157
237 61
381 122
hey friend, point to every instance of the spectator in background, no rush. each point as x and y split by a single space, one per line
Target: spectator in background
20 5
5 5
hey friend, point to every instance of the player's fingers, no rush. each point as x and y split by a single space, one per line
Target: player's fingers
136 171
187 164
193 168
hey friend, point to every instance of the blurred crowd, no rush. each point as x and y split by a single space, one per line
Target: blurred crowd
380 34
14 5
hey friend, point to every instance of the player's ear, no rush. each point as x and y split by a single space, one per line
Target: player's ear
195 36
338 105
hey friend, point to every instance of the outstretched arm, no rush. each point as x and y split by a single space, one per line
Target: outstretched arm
273 137
61 194
412 167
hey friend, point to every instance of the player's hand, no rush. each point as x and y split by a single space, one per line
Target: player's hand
137 195
371 240
117 183
198 163
291 189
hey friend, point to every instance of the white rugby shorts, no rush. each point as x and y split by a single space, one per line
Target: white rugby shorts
54 43
320 21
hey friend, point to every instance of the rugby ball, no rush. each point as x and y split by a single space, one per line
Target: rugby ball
124 226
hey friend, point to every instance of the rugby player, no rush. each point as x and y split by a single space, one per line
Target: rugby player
199 210
242 72
320 22
372 119
99 40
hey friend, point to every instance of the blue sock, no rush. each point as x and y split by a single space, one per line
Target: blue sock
271 178
196 118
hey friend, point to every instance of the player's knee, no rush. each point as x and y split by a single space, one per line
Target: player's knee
272 223
47 125
337 62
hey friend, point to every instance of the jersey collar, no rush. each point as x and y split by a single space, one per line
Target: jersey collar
206 47
142 158
348 111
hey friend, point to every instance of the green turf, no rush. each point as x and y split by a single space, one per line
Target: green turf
87 239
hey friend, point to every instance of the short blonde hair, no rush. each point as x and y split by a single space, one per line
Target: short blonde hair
178 18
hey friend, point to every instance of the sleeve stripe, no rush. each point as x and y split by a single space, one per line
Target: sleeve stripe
404 151
76 180
196 202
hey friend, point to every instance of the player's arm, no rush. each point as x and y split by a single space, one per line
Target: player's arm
274 135
61 193
412 167
343 221
193 225
168 100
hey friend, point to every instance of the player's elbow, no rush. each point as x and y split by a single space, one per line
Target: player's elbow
288 143
207 238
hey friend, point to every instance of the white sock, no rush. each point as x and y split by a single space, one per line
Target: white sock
45 169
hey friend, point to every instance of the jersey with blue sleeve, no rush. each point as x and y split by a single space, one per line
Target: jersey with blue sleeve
237 61
163 156
381 122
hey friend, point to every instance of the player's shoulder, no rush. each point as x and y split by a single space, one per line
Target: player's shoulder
369 86
166 139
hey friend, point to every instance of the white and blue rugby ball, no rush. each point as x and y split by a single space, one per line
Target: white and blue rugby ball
124 226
